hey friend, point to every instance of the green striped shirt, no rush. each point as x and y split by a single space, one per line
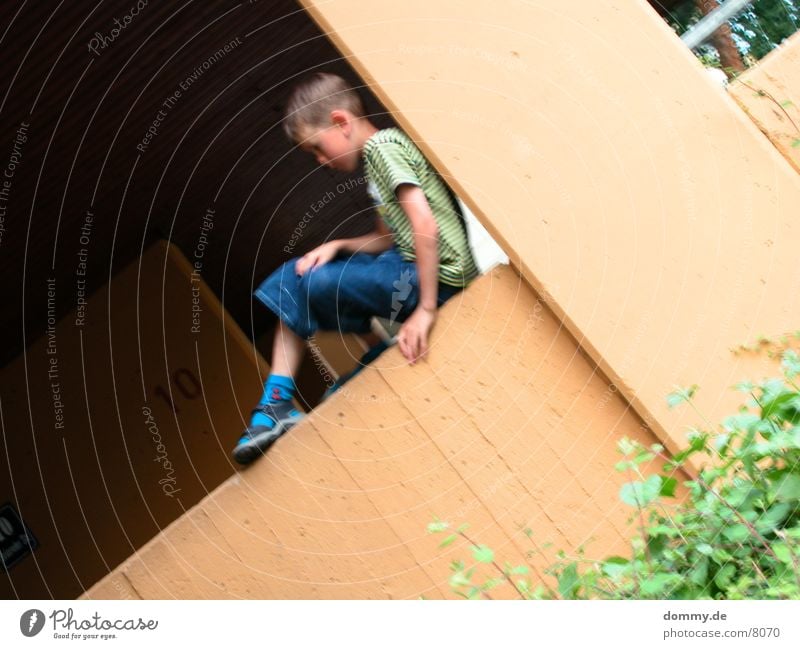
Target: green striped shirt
392 159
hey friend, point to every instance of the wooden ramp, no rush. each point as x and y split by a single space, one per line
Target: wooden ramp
770 93
506 427
627 187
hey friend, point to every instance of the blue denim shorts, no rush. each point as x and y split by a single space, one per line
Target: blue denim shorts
345 293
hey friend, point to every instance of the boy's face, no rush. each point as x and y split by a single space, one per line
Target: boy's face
332 146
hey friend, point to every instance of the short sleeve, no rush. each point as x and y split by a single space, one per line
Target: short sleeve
393 166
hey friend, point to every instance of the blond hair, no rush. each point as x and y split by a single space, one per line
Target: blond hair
311 101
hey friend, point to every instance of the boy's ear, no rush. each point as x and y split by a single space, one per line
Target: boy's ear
343 120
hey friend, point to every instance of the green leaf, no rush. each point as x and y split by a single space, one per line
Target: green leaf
680 395
641 494
705 548
773 517
459 579
788 487
723 577
629 493
783 552
776 406
796 142
741 493
626 446
615 567
568 581
482 553
699 573
491 583
791 363
655 585
668 486
736 533
519 570
437 526
447 541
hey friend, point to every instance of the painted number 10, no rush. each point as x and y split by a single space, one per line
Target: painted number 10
186 386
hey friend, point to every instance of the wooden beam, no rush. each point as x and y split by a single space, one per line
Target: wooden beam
631 193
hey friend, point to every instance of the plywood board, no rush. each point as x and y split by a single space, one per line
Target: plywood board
631 192
119 420
506 427
770 93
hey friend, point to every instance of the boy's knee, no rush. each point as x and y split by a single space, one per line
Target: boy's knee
320 284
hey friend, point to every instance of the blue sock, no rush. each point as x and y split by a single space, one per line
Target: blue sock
277 388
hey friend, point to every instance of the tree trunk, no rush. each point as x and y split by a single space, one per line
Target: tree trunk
729 58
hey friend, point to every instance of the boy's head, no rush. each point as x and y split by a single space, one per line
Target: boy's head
323 116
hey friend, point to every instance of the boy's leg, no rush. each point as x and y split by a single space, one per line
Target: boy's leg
275 413
287 354
340 295
346 293
287 351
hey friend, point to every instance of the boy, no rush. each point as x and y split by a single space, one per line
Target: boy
417 257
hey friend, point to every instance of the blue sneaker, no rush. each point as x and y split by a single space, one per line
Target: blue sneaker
257 439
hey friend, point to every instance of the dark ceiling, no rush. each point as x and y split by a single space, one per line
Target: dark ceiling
91 123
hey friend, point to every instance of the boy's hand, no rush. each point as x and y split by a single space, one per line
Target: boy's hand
413 335
317 257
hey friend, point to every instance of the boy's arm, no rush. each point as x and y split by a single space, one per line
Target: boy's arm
413 335
377 241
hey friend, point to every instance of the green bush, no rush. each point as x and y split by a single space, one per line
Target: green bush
734 533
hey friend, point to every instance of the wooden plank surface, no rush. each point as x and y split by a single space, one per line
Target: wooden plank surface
770 93
506 427
632 193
